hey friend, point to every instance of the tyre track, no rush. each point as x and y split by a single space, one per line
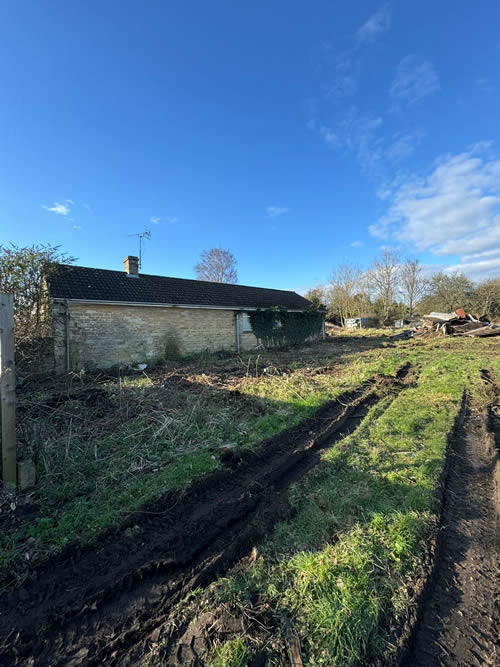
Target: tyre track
457 623
91 606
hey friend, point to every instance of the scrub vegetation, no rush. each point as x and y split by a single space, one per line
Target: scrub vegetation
104 445
334 572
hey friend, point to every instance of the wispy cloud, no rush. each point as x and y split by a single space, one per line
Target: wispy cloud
356 131
342 84
356 244
60 208
275 211
369 135
485 84
415 79
343 68
377 24
341 72
403 145
170 219
454 210
362 134
77 227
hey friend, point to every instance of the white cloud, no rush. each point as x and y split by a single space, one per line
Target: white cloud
375 25
275 211
171 220
77 227
362 134
415 79
480 270
454 210
60 208
356 244
357 131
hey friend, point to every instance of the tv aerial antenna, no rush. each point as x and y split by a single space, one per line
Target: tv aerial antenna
146 234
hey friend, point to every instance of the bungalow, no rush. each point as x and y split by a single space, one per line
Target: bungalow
104 318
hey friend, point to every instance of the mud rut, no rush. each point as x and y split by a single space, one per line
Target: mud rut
458 620
102 604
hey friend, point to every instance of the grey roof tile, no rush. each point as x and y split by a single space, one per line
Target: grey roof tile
79 282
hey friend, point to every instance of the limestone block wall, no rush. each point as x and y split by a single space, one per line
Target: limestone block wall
103 335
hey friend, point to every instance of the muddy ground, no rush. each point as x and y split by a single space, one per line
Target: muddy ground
104 604
109 604
458 619
454 618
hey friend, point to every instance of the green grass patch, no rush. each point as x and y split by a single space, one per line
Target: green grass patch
232 653
100 459
335 571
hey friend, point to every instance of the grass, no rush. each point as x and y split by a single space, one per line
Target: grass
337 570
107 446
232 653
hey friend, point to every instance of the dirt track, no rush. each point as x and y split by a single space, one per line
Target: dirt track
458 620
101 605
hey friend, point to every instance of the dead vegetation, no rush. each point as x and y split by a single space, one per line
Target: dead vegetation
103 444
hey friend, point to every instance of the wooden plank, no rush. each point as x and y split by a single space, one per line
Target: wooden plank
8 391
294 652
482 333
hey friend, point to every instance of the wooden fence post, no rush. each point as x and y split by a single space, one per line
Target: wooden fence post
8 391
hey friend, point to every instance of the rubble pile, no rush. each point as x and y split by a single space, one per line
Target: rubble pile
458 323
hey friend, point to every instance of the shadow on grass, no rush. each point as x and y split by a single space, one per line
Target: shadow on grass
104 449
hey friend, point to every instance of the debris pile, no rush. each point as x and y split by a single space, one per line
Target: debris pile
456 324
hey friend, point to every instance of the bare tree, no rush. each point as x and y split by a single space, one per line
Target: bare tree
486 298
345 286
448 291
217 266
384 279
413 283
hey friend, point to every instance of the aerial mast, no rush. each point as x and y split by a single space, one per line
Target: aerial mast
146 234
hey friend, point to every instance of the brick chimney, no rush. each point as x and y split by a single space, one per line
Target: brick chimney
131 265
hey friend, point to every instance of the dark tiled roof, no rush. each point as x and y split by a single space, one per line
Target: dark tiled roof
79 282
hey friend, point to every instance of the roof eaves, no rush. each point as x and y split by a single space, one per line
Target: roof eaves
169 305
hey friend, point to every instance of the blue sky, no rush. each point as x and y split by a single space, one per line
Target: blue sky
298 135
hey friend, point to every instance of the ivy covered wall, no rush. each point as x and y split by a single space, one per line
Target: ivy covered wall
281 327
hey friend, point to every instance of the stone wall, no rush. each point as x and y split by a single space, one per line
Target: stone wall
102 335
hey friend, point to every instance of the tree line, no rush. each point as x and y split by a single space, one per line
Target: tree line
393 288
